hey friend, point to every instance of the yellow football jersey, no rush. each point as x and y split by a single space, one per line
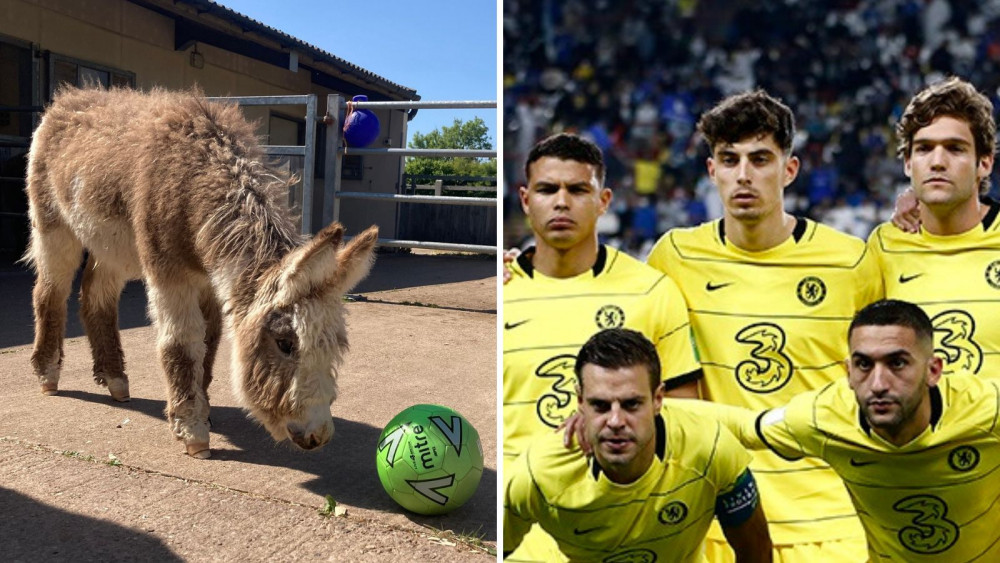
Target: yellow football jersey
956 280
547 320
662 516
769 325
936 498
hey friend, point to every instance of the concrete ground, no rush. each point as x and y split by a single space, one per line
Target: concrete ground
86 479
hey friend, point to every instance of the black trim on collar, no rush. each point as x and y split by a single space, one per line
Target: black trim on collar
797 232
661 447
800 229
661 438
937 407
602 259
524 260
991 215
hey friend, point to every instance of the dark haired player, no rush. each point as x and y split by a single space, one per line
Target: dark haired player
918 450
768 293
656 480
568 287
951 265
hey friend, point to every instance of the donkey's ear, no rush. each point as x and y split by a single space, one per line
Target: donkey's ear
355 260
309 267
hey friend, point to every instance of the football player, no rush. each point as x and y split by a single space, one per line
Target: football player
566 288
655 482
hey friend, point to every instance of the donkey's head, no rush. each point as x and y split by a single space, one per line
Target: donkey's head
293 338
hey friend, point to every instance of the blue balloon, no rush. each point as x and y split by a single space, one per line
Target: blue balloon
361 127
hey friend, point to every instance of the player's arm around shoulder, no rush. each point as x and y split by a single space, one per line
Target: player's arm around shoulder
789 431
737 504
739 421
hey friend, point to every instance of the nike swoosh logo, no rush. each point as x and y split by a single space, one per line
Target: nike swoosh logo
508 326
580 532
904 279
713 286
857 463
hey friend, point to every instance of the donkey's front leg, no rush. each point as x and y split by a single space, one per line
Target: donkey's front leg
181 344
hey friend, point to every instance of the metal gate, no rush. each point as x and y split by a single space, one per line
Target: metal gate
335 151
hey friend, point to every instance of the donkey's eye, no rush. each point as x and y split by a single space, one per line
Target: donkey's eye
286 346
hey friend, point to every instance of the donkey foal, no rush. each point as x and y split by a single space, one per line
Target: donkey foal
171 188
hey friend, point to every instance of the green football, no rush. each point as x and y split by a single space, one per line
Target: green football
429 459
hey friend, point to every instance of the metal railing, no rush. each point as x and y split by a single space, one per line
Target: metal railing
335 152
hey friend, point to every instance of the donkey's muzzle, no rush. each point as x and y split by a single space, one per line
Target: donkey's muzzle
310 437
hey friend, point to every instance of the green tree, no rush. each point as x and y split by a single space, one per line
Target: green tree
473 135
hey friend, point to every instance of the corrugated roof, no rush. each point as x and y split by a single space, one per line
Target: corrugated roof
250 24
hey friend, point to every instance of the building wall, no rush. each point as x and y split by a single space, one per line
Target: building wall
127 37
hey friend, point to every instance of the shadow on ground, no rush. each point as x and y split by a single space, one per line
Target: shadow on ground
343 469
34 531
18 326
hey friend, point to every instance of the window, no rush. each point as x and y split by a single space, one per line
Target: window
16 103
351 167
67 70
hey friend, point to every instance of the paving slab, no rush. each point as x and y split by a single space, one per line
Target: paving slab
92 476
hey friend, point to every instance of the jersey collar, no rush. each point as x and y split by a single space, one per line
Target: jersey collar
661 447
797 232
524 261
936 409
991 214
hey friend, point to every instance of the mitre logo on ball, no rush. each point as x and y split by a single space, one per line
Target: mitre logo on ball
429 459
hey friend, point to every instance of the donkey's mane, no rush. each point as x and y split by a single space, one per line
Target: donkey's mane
250 227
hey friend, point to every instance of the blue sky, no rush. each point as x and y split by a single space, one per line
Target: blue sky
445 50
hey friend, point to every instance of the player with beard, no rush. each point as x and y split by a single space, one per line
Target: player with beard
918 450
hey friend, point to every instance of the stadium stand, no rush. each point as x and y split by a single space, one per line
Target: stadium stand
634 77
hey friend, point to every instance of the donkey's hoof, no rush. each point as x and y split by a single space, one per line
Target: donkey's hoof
119 390
199 450
50 389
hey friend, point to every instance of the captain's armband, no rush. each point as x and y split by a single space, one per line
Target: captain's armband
736 506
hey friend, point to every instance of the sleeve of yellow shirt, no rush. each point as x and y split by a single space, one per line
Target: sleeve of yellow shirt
740 421
732 461
871 270
673 340
659 255
518 501
784 430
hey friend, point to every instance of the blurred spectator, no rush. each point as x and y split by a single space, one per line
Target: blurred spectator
635 76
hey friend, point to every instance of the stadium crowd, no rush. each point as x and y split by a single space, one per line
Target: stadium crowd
635 76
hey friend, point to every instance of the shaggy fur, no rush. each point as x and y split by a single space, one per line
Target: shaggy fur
171 188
